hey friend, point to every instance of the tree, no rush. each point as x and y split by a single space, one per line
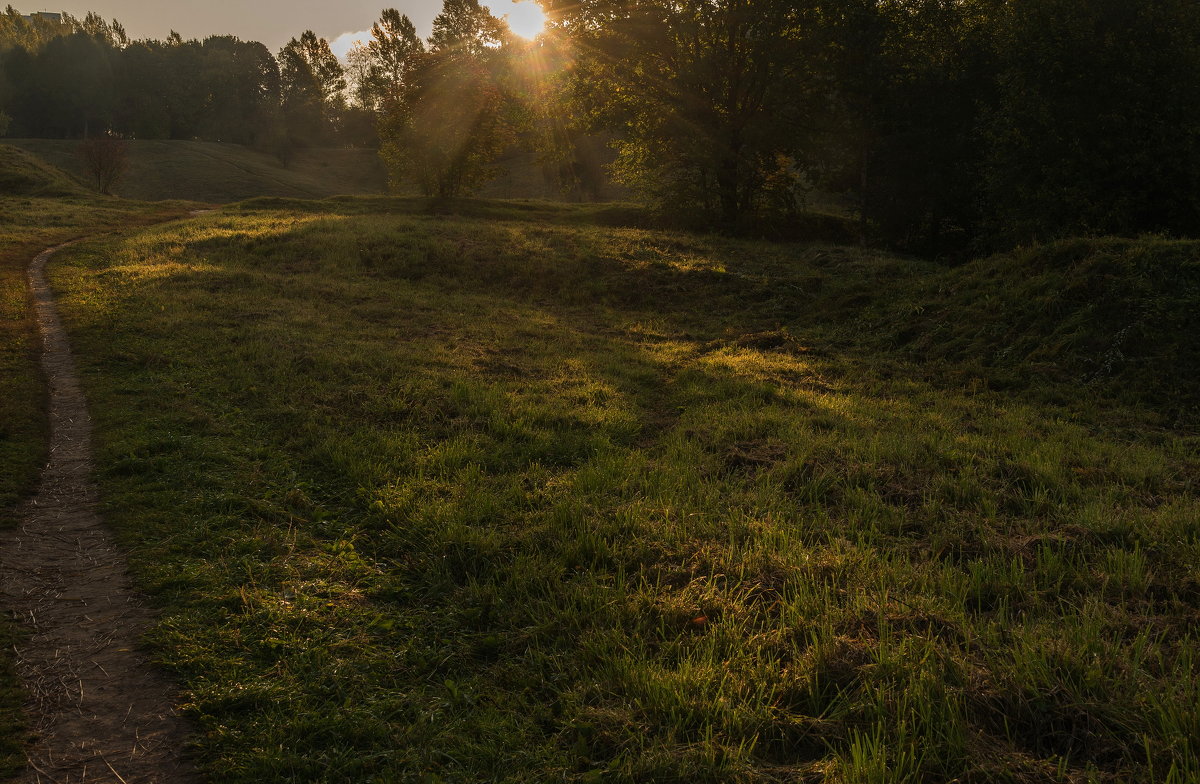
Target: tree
72 89
448 130
706 97
450 119
1094 127
904 82
243 80
312 86
111 33
105 159
388 58
464 27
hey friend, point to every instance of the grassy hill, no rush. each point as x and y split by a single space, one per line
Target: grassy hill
218 173
1108 316
25 174
524 493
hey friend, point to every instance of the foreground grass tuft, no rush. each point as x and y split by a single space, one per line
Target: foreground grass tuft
526 498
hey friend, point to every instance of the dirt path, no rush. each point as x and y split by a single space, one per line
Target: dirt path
100 710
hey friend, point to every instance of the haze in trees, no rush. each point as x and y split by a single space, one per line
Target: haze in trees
946 126
446 116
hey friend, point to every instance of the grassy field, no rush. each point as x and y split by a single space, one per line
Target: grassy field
39 207
524 494
213 172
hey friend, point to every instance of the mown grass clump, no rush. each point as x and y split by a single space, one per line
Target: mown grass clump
445 498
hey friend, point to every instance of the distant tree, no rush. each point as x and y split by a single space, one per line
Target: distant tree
111 33
358 76
450 119
105 159
145 85
312 87
30 34
464 27
71 91
243 79
388 58
448 131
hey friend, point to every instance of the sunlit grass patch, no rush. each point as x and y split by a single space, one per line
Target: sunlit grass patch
528 498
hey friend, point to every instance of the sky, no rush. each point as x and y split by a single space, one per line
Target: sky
275 21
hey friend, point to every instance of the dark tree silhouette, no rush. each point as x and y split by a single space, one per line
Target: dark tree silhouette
105 159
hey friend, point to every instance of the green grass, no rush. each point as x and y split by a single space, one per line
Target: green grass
1108 316
518 496
213 172
40 207
24 174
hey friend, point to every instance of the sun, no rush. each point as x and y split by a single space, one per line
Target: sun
525 17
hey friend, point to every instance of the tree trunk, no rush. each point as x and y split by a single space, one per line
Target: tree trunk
727 191
862 198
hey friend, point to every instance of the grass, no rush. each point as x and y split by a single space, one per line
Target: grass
1110 316
213 172
24 174
40 208
517 495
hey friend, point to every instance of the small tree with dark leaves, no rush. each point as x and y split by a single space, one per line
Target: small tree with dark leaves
105 159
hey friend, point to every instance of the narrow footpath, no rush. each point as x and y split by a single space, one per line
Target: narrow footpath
100 711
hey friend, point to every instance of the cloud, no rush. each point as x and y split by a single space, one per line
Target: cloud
342 44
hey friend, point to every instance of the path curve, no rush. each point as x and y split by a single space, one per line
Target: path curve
100 710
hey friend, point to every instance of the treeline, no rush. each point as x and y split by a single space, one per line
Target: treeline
943 124
78 77
950 123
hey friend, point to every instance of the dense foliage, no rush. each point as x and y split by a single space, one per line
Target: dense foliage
445 119
943 124
944 121
79 77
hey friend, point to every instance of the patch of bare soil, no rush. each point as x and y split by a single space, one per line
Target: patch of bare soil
100 710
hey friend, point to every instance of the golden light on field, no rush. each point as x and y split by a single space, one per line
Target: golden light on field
525 17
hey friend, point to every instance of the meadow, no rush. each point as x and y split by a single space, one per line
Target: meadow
523 492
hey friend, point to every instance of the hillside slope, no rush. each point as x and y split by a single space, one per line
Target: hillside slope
1110 314
216 172
23 174
528 498
219 173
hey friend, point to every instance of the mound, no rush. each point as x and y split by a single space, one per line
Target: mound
22 174
1117 313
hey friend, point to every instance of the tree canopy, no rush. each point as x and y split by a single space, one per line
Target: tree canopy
944 124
